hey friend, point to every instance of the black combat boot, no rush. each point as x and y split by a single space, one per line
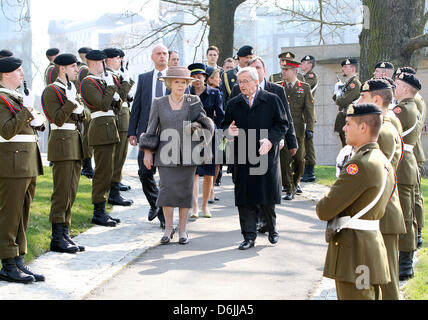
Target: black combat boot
124 187
405 265
58 242
69 240
87 169
11 273
115 198
21 266
309 175
100 216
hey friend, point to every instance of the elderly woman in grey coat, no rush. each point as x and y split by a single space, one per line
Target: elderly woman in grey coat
185 134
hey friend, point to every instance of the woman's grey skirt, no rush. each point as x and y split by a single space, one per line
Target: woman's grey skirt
176 186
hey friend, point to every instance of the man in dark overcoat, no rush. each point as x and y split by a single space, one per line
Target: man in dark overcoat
257 122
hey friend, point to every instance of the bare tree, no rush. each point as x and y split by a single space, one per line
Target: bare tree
23 17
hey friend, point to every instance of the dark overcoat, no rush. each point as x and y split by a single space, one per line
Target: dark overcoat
266 113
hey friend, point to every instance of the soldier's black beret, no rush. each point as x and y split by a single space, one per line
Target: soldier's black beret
362 110
375 84
391 81
112 52
245 51
350 61
9 64
84 50
121 53
404 70
52 52
385 65
5 53
411 80
197 68
65 59
287 55
307 58
96 55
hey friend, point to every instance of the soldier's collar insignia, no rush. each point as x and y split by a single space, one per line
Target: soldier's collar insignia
350 110
352 169
366 86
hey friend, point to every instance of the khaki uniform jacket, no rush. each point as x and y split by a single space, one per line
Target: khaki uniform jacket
422 108
276 78
63 145
228 81
51 73
408 114
310 78
301 107
97 96
18 159
83 73
359 183
123 88
390 144
351 92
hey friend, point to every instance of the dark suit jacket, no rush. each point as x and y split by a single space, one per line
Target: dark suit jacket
290 136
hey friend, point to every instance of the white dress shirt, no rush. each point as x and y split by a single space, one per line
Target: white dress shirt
155 79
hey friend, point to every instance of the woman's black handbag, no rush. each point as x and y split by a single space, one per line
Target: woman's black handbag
149 141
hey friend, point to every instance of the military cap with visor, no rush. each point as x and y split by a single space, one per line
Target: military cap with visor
363 110
9 64
287 55
65 59
197 68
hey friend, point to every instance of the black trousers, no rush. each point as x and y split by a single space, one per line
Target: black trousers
248 219
148 182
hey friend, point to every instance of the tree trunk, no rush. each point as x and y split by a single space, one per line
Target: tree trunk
222 26
392 24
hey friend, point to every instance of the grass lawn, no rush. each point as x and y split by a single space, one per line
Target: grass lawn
416 288
39 229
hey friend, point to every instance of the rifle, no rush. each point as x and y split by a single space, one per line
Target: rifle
26 89
68 82
105 70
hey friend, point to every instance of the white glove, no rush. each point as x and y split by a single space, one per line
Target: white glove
79 109
28 101
342 158
125 75
116 97
71 93
338 89
108 78
38 121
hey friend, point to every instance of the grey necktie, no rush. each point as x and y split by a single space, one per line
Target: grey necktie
159 89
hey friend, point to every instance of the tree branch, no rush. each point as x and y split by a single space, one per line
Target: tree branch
414 44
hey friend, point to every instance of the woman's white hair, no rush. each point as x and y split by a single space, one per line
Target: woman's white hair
252 71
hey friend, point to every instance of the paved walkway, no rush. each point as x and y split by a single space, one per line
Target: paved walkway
109 250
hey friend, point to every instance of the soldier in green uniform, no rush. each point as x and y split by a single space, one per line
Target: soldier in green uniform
65 113
51 72
277 77
407 86
100 95
20 165
384 69
87 169
345 94
302 111
420 159
379 92
356 256
229 78
124 84
310 77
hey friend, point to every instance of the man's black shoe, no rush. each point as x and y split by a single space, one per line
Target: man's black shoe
11 273
288 197
100 216
115 198
114 219
309 175
69 240
405 277
153 213
262 229
247 244
58 242
273 237
298 190
21 266
123 187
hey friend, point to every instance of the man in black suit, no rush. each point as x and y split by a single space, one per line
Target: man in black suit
290 137
148 88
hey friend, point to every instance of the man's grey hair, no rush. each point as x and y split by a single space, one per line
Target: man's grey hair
252 71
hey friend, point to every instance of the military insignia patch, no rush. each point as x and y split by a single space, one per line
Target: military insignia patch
350 110
352 85
311 75
233 80
397 110
352 169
